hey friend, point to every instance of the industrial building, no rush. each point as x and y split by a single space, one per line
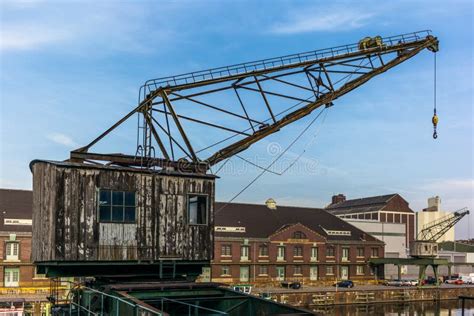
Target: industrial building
432 213
269 243
386 217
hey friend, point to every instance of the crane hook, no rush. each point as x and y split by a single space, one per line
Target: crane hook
434 120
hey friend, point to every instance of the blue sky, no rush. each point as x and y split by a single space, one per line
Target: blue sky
68 71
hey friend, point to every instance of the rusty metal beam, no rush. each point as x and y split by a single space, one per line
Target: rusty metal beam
308 109
156 136
178 125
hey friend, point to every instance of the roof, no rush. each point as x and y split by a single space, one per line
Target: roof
15 204
261 222
362 205
68 164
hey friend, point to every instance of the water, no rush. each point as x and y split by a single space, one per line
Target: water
426 308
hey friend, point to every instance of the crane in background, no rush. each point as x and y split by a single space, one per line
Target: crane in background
425 245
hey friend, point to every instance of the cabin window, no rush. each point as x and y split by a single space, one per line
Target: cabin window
197 209
117 206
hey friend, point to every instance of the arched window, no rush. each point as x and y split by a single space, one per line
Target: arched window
299 235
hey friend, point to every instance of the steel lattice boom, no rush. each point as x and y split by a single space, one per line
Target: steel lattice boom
195 120
436 229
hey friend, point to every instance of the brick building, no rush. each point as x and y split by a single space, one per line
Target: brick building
265 244
18 278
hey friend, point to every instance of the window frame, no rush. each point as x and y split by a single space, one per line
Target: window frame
359 252
362 268
11 246
227 247
260 270
226 267
315 250
332 270
297 270
333 251
188 203
242 257
298 251
299 235
265 254
281 258
123 205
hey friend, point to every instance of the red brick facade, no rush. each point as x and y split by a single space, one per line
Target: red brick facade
298 263
20 263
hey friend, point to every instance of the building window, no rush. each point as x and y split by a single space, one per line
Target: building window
329 270
313 273
11 277
263 251
117 206
226 250
297 270
225 270
12 250
197 209
244 253
299 235
281 253
360 270
345 254
330 252
298 251
360 252
375 252
314 254
263 270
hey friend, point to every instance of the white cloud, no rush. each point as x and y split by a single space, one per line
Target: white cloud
314 21
62 139
28 37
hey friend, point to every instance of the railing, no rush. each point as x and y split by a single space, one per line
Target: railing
276 62
82 305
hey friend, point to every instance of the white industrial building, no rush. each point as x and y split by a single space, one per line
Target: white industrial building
433 213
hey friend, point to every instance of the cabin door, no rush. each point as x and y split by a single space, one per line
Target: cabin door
344 272
244 274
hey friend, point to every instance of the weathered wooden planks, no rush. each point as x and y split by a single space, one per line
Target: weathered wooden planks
65 215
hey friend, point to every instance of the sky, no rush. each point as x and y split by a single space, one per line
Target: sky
70 70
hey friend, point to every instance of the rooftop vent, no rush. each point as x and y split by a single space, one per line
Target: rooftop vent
271 204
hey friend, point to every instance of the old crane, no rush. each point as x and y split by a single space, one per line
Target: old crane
149 213
425 245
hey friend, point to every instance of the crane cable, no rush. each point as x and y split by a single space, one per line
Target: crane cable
434 120
273 162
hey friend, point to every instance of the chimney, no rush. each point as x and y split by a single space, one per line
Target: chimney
271 204
338 198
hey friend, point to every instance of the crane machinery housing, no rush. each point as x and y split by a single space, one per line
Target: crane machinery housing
149 213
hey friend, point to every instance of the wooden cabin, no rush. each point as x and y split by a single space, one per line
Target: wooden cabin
93 214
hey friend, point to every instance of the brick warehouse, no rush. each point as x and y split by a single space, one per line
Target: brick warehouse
266 244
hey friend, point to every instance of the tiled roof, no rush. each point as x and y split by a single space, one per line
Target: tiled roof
15 204
260 221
